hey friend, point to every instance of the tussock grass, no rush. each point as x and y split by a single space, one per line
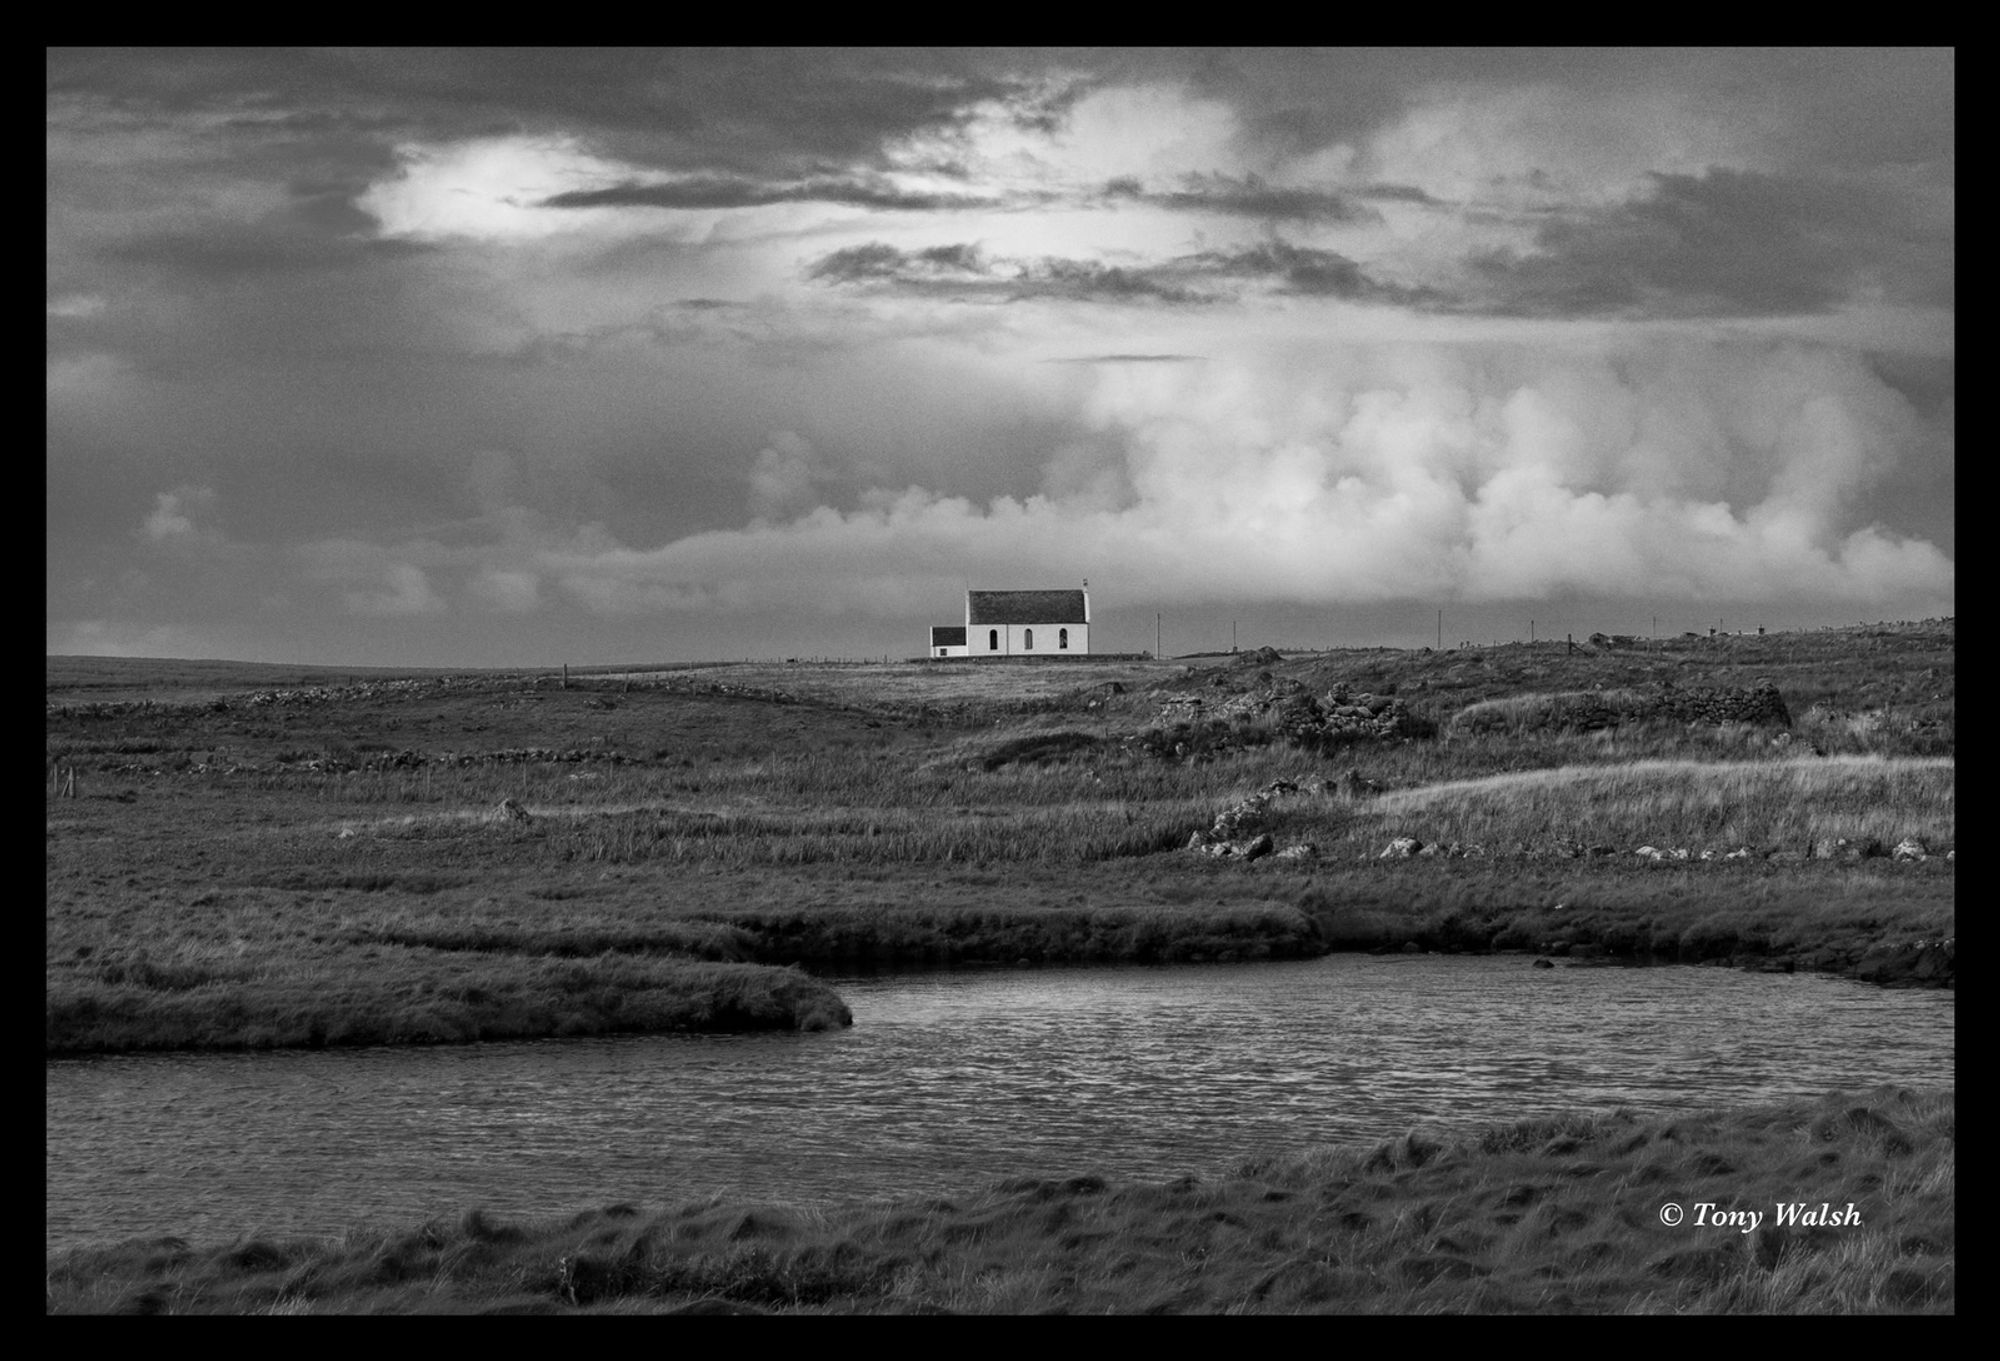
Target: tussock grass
1547 1216
1762 804
1872 920
1516 714
419 996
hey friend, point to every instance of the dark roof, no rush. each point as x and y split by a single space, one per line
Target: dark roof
947 635
1024 607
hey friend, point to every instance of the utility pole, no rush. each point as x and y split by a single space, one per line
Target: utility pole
1440 630
1156 636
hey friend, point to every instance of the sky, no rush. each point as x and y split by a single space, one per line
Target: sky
443 357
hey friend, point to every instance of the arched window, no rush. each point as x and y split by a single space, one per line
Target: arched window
1062 638
1028 639
993 640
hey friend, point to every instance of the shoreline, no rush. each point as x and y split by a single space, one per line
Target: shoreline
1853 1196
759 970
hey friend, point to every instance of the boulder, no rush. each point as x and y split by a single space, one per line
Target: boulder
1909 848
1402 848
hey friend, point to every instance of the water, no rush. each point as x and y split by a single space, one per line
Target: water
948 1082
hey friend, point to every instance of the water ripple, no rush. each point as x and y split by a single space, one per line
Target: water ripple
947 1082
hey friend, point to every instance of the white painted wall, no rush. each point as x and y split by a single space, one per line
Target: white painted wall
1013 640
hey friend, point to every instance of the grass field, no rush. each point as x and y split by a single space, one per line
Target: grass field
1550 1216
258 856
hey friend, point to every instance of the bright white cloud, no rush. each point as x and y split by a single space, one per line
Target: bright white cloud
489 189
1419 473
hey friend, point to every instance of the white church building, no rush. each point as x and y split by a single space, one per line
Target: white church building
1018 624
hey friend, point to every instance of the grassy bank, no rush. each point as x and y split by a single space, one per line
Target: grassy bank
262 856
1552 1216
191 1000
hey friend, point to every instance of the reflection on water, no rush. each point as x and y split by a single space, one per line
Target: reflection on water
946 1082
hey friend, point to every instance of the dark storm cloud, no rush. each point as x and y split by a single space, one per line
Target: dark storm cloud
964 271
749 112
226 250
1295 269
1396 193
735 191
1244 196
1201 277
1723 243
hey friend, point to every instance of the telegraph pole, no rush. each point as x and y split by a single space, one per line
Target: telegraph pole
1156 636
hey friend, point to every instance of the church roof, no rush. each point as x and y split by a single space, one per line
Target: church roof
1025 607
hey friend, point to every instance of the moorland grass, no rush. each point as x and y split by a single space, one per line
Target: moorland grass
1715 807
418 995
1546 1216
278 866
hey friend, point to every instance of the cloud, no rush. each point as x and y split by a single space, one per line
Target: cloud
1426 475
124 638
1722 243
509 592
406 590
1246 196
76 306
1130 359
1295 269
782 478
176 516
486 188
966 272
738 191
378 580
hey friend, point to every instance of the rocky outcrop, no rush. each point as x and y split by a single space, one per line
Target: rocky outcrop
1238 831
1191 726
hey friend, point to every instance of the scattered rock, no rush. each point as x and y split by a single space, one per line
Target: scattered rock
511 809
1910 849
1402 848
1545 964
1842 848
